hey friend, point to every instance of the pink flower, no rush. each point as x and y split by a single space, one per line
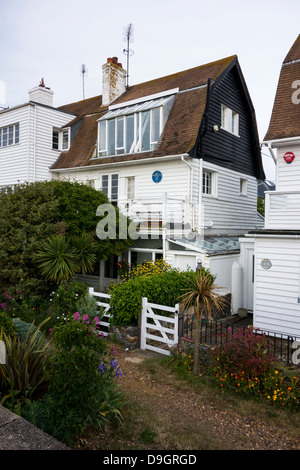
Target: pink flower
85 319
77 316
96 320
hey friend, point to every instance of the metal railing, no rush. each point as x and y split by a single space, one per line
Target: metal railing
213 333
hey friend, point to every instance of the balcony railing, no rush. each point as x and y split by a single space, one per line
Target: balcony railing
175 215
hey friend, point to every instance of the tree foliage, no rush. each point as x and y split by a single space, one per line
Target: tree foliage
32 214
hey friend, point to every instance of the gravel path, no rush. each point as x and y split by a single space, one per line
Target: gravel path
181 417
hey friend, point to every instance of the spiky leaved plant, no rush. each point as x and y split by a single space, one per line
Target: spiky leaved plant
201 295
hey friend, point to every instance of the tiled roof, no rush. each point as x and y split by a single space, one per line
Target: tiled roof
285 118
180 131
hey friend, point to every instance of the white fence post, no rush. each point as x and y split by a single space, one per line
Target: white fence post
143 322
106 306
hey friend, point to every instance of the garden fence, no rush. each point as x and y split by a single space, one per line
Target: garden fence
215 332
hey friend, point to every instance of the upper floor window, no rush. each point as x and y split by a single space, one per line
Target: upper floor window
230 120
209 182
110 185
134 128
9 135
60 139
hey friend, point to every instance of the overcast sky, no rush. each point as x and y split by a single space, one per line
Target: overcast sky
51 40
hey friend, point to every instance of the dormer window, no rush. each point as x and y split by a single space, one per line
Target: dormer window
134 128
60 139
230 120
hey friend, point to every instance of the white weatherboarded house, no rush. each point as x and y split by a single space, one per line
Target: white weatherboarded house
30 138
180 155
275 250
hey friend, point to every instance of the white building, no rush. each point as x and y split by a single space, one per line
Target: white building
31 138
271 257
180 154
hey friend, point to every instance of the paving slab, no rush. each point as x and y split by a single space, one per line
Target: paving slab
18 434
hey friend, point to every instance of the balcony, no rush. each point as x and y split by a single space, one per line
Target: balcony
174 216
282 210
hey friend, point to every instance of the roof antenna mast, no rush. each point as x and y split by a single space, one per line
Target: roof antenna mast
83 71
128 37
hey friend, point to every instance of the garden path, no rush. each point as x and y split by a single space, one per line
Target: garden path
180 419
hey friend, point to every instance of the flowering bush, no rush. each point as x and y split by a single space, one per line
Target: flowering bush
243 364
10 304
282 388
123 267
65 298
82 381
182 363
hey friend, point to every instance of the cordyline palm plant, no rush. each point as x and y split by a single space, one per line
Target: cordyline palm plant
61 257
201 295
23 372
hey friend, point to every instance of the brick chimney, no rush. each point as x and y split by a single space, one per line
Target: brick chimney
113 80
41 94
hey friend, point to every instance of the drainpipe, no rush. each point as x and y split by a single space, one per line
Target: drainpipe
191 189
34 146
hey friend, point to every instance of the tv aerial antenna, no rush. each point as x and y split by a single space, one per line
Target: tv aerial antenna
128 37
83 71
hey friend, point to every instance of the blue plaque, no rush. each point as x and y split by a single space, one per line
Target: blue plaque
157 176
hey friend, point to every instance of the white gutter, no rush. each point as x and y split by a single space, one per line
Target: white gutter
270 235
271 143
128 162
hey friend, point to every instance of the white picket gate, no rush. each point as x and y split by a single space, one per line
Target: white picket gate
158 332
104 314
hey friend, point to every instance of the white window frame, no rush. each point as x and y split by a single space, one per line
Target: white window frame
109 192
62 142
12 135
211 189
61 145
229 120
130 188
136 111
243 186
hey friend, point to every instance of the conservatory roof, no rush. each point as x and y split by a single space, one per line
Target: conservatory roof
210 245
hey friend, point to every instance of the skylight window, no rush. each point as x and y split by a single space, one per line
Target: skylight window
134 128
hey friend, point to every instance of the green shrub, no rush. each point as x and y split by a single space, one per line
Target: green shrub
82 388
163 286
87 305
6 324
65 298
22 328
245 365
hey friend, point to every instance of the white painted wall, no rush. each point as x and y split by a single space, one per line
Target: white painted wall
30 159
288 174
277 290
229 211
